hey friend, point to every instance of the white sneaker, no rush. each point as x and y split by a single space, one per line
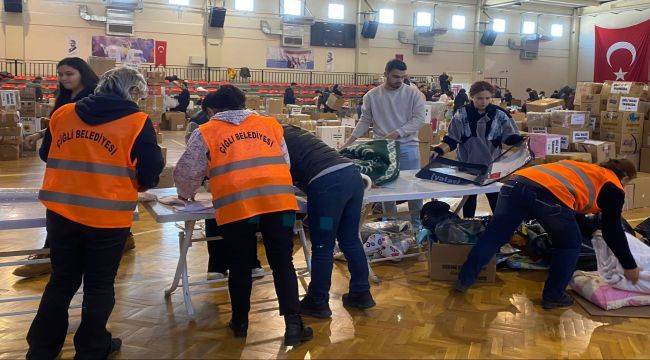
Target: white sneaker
215 276
256 272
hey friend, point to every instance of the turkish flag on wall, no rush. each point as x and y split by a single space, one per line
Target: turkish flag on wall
622 54
161 53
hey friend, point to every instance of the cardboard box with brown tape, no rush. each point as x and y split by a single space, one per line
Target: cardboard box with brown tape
590 103
570 119
9 152
445 261
253 102
334 136
586 88
545 105
623 103
154 77
175 121
570 136
274 106
576 156
100 65
624 88
600 150
538 119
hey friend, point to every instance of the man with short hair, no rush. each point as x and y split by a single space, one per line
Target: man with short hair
289 95
396 112
445 82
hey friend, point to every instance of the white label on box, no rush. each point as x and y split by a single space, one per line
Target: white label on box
553 146
539 130
577 119
560 107
179 126
628 104
580 135
621 88
593 121
564 142
296 111
8 98
428 113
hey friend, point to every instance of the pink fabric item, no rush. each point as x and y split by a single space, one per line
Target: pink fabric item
593 288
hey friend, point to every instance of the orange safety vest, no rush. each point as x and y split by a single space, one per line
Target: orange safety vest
248 173
577 184
90 177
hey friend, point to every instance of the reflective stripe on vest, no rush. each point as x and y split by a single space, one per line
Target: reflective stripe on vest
585 179
250 193
89 167
86 201
245 164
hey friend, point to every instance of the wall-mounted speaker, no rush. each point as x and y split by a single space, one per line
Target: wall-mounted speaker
488 37
15 6
217 17
369 30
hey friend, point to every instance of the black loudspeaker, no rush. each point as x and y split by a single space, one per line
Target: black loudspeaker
217 16
488 37
369 29
15 6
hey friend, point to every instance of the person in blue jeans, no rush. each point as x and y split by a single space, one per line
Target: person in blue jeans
334 189
553 194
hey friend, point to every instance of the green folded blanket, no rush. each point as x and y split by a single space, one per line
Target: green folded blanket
379 159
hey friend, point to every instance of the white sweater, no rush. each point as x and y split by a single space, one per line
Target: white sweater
389 110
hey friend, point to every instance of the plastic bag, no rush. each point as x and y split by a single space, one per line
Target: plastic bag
460 231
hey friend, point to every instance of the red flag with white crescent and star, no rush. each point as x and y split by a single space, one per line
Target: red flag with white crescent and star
622 54
161 53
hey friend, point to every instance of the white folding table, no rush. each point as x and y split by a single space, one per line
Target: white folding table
406 187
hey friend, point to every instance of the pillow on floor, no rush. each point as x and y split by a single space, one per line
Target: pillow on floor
593 288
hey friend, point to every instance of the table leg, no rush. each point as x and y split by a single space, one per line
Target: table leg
460 205
364 213
184 242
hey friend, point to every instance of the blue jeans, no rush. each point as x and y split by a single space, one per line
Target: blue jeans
409 159
334 210
519 201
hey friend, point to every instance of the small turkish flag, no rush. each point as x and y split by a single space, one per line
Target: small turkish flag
161 53
622 54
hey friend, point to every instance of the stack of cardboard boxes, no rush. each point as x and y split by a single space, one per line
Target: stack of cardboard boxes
154 104
11 132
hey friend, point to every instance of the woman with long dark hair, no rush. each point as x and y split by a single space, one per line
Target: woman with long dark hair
77 80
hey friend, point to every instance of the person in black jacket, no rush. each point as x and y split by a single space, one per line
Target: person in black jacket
290 95
334 189
183 98
82 250
460 100
77 80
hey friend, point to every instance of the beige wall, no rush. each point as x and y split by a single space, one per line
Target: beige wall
40 34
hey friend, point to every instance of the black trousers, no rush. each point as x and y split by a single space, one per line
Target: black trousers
469 209
277 232
77 252
219 250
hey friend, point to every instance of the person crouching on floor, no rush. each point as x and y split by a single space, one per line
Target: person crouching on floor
245 157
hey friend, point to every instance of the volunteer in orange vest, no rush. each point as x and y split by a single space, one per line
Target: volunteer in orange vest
103 151
246 159
553 194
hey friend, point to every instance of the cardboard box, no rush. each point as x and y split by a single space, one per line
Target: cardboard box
10 119
544 144
521 125
281 118
154 76
274 106
9 152
335 102
570 119
625 143
425 153
334 136
576 156
100 65
591 103
28 108
586 89
570 136
545 105
519 116
156 90
174 121
641 190
600 150
644 160
166 177
309 125
445 261
28 93
153 104
629 88
538 130
623 103
348 122
644 108
538 119
629 197
645 142
253 102
31 125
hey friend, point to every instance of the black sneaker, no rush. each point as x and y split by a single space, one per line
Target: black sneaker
296 332
116 345
309 308
564 302
239 329
460 287
361 300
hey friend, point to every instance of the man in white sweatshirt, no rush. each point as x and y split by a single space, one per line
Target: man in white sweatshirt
396 112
